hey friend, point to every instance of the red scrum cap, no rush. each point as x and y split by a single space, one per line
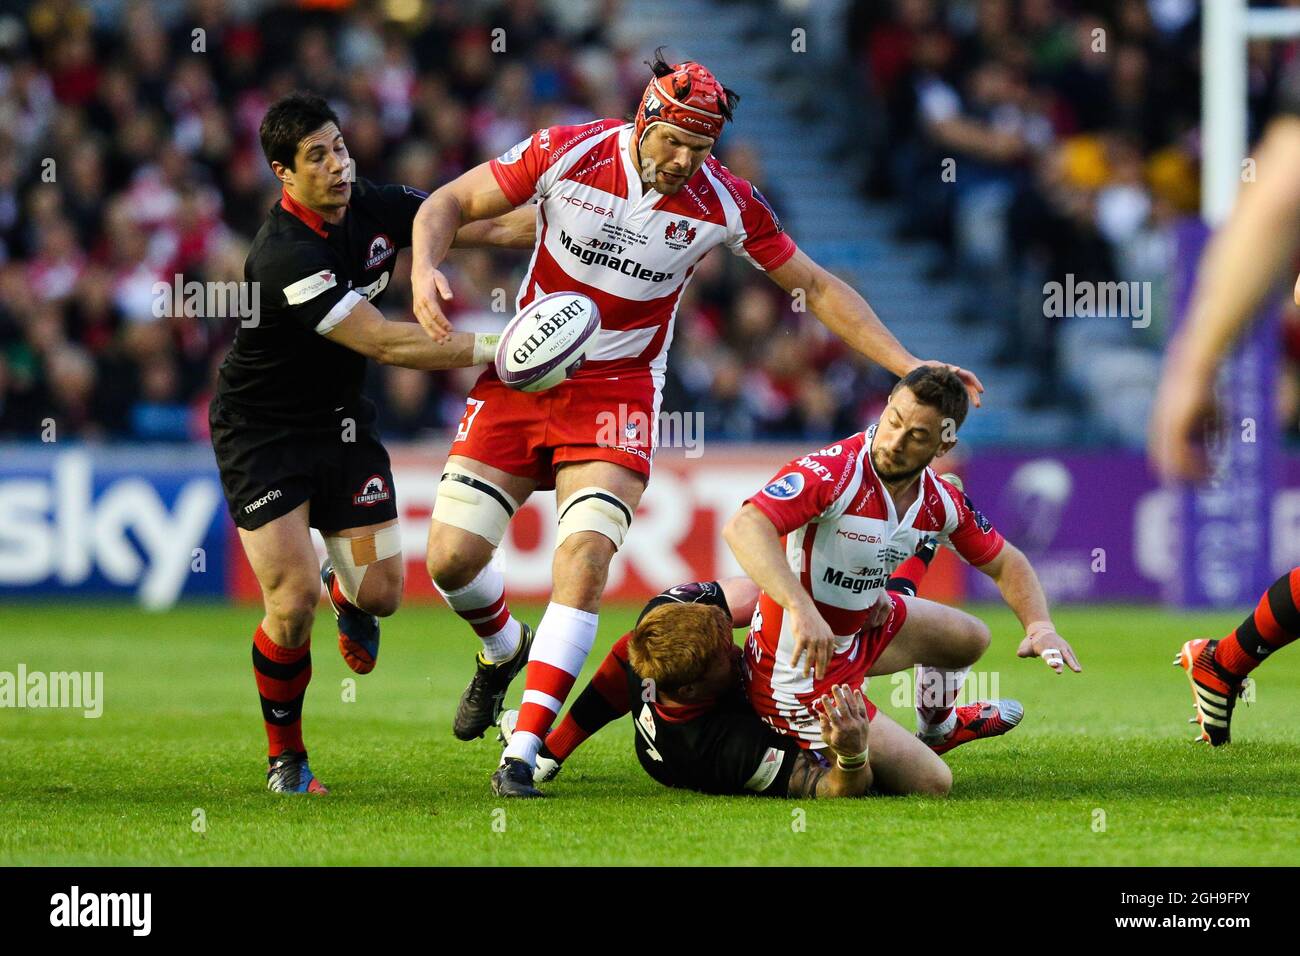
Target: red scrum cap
685 95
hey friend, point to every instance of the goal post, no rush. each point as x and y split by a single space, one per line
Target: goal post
1227 26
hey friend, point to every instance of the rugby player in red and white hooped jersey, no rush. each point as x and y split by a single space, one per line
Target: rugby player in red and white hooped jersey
823 537
624 213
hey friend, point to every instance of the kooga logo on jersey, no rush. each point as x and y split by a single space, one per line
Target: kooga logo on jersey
628 267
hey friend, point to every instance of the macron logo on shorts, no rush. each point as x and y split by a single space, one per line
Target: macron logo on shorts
269 496
304 290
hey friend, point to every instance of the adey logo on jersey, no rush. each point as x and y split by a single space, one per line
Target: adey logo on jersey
786 487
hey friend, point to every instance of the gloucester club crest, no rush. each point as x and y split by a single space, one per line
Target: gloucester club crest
679 234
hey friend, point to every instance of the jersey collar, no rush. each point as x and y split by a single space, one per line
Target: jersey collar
636 195
309 217
682 713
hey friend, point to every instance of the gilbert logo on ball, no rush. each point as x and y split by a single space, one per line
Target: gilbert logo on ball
547 341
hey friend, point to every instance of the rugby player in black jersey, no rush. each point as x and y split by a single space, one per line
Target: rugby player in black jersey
696 729
293 436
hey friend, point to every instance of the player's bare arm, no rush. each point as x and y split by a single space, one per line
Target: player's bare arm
1021 589
846 313
741 594
470 197
1242 262
365 330
845 728
517 229
400 344
754 541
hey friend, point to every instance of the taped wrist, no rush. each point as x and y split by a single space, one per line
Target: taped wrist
485 347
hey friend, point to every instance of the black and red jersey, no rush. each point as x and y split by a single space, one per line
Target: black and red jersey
309 274
722 747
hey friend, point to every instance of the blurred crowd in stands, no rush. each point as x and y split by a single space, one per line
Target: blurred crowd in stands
1074 130
129 156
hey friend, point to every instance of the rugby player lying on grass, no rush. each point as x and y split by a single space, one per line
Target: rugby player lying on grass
678 673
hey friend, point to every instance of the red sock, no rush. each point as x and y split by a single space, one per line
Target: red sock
564 638
603 699
339 597
545 689
282 675
907 576
1274 623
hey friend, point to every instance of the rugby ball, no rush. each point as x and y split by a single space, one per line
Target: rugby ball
547 341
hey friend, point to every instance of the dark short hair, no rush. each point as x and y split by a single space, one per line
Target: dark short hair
939 387
288 121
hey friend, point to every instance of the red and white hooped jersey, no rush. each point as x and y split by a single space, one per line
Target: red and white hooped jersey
631 251
844 537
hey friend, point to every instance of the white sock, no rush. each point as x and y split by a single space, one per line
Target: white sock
560 648
482 604
524 746
502 645
937 689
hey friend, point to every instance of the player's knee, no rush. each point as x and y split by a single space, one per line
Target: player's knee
589 547
971 638
368 568
592 525
294 607
385 597
935 780
470 517
385 605
979 636
452 562
582 559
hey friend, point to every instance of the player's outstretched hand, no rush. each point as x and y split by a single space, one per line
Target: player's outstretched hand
429 290
1183 414
1043 641
844 720
812 635
974 387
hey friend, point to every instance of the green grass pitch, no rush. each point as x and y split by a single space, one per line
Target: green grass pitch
1100 771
